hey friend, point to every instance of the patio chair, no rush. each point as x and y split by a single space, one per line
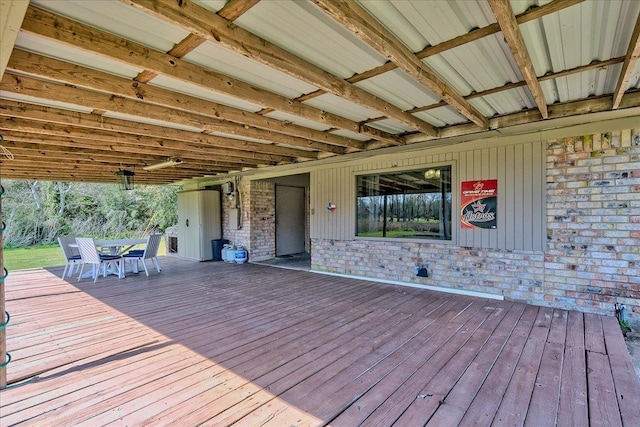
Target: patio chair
149 252
71 255
90 255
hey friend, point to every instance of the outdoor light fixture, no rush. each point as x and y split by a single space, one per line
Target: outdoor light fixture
432 174
171 162
126 179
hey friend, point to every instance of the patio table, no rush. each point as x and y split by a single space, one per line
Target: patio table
118 247
115 247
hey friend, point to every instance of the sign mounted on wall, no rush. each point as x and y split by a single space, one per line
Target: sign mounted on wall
479 204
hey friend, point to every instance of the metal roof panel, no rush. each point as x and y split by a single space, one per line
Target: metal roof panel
52 49
224 61
18 97
279 115
577 36
442 116
180 86
304 30
342 107
139 119
118 18
390 126
349 134
397 88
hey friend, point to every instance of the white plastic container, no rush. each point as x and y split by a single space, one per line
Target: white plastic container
228 253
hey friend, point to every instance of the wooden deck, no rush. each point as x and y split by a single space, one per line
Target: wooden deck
219 344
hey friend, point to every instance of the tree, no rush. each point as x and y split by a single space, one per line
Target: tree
99 210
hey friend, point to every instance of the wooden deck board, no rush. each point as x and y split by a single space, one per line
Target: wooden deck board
482 409
546 393
627 389
515 402
220 344
574 408
440 382
458 397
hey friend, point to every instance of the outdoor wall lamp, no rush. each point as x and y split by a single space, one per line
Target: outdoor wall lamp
126 179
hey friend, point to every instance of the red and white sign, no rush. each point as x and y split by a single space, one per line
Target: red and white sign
479 204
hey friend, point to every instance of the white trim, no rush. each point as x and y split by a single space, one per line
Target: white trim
415 285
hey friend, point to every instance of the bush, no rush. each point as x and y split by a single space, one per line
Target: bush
38 212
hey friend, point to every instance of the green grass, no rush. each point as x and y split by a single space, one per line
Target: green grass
33 257
43 256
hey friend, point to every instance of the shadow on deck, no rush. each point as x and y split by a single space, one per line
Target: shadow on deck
219 344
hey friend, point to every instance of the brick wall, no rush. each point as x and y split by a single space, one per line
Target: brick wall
263 220
241 235
592 259
593 207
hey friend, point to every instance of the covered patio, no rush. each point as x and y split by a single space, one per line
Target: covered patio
222 344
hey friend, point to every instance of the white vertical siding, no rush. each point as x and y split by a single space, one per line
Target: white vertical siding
337 186
519 169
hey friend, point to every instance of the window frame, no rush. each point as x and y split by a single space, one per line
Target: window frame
455 202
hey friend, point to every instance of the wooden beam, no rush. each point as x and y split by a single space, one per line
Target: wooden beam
49 68
232 147
60 156
509 86
42 171
575 108
107 102
15 109
630 59
368 29
122 143
64 30
506 19
471 36
186 45
234 9
200 21
27 151
82 166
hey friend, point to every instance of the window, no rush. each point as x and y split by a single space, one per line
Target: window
413 204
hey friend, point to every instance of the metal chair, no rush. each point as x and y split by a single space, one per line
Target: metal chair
71 255
89 254
149 252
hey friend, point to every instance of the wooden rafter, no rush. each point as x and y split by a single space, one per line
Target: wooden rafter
231 11
36 65
507 21
186 45
630 59
218 30
71 136
509 86
367 28
569 109
44 23
473 35
13 109
234 9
